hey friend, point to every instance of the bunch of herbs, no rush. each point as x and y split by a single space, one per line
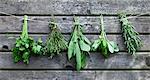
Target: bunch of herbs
103 44
25 46
130 35
79 46
55 42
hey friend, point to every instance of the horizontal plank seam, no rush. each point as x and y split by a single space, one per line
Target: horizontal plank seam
73 14
23 69
42 33
90 51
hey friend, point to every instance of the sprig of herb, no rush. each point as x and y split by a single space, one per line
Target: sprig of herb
103 43
55 42
131 37
79 46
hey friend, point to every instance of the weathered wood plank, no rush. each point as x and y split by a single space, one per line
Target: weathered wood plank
123 75
72 75
74 6
10 24
119 60
115 6
44 7
9 40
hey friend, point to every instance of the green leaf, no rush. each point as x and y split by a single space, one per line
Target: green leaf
34 49
27 45
70 49
40 40
85 39
17 56
110 47
38 48
104 52
84 46
116 49
104 43
96 44
83 59
78 57
21 48
26 57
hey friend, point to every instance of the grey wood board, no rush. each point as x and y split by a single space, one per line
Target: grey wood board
74 6
65 24
72 75
121 60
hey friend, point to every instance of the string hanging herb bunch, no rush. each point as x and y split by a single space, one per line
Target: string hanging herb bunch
79 45
103 44
55 42
23 48
130 35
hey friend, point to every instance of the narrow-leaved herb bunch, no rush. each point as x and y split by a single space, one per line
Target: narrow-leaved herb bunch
103 44
131 37
24 46
79 46
55 42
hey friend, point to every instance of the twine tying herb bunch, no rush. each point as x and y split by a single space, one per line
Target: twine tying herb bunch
25 46
79 45
131 37
103 44
55 42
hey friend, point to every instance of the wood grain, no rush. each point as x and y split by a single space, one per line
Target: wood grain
9 24
74 6
71 75
121 60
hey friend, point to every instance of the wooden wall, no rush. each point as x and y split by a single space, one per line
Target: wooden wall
120 66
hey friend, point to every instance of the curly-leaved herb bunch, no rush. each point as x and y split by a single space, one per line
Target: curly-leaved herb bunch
25 46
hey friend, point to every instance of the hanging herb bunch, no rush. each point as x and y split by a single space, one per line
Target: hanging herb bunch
79 46
55 42
131 37
25 46
103 44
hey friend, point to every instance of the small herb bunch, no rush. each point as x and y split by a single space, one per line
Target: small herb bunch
79 46
55 42
38 47
103 44
25 45
131 37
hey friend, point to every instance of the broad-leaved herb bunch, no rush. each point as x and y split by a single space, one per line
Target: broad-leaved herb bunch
103 44
79 45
